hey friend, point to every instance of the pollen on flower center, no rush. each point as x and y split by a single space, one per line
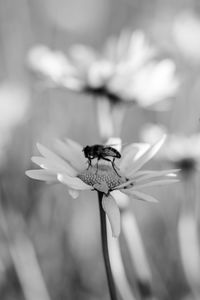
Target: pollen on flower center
102 177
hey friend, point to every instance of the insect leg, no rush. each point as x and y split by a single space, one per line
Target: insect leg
112 162
113 165
97 164
89 162
107 159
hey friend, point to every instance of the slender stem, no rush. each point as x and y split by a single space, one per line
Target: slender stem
104 240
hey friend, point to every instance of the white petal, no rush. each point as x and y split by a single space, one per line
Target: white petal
123 44
165 173
76 146
121 199
82 56
127 157
73 182
113 214
149 183
51 156
146 156
71 152
73 193
142 173
141 196
130 154
50 63
54 166
100 72
78 151
72 83
156 183
140 147
42 175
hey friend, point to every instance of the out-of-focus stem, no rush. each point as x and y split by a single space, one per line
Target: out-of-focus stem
110 118
137 254
197 194
118 270
111 284
118 112
188 238
105 124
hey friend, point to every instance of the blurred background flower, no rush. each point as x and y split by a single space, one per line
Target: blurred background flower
180 150
125 71
183 152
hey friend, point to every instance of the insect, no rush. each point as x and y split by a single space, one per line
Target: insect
101 152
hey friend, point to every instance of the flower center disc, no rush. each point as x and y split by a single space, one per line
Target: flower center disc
187 165
102 177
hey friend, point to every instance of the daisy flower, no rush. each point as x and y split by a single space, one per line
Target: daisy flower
123 71
181 151
68 165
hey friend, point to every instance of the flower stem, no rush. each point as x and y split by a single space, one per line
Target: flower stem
111 284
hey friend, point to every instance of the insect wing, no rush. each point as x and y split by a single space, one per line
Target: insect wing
109 151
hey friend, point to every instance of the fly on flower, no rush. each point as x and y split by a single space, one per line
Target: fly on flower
101 152
67 164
